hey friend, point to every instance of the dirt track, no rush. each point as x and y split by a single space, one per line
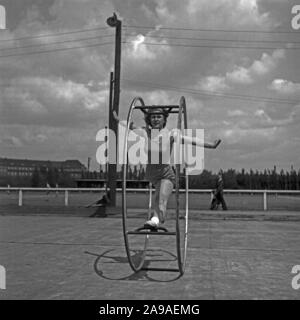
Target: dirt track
51 257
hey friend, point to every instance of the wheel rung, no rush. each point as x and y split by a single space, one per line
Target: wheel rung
168 233
156 107
160 269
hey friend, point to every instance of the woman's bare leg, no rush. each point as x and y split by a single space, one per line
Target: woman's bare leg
156 200
163 190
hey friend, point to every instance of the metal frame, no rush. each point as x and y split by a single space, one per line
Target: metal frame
181 238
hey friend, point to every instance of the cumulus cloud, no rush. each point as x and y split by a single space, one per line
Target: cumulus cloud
213 83
236 113
241 142
54 102
285 87
266 121
267 62
240 13
163 12
141 51
189 63
243 75
50 102
260 67
239 75
11 141
27 138
236 134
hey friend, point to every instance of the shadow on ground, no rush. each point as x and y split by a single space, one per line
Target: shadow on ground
111 263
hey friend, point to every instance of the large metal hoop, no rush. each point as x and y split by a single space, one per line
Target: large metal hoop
181 231
181 220
136 266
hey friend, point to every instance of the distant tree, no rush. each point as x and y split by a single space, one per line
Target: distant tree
101 174
205 180
281 180
256 180
66 181
35 178
287 181
135 173
142 173
241 179
264 180
50 177
230 180
293 179
129 173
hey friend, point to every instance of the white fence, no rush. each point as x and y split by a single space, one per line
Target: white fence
263 193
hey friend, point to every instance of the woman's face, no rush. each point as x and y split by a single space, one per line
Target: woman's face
157 121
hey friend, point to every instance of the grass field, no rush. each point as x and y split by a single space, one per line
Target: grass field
245 202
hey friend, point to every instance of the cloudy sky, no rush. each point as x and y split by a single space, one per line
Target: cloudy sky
234 61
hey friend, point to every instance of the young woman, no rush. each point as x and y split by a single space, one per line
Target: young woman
161 174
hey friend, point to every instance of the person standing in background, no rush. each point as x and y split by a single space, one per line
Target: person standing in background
48 186
218 194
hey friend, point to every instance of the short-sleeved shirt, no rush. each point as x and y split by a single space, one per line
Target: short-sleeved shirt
161 168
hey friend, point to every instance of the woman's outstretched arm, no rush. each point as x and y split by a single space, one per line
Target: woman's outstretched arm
141 131
200 143
197 142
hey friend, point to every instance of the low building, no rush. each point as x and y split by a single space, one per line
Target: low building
100 183
25 167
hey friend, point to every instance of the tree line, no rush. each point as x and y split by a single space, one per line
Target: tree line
233 179
270 179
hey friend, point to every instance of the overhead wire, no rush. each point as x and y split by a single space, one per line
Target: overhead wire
54 43
210 93
55 34
212 46
211 30
141 83
59 34
211 39
56 50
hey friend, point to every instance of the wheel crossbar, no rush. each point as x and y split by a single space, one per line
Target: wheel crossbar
165 233
157 107
160 269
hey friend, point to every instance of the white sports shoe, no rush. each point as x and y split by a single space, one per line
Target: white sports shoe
153 222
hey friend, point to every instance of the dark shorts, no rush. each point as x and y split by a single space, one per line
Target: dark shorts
157 172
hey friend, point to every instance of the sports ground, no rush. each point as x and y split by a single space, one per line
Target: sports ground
67 254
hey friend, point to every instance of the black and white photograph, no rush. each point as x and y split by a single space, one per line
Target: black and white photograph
149 151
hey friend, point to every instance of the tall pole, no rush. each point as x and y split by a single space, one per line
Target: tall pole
113 124
88 163
106 165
